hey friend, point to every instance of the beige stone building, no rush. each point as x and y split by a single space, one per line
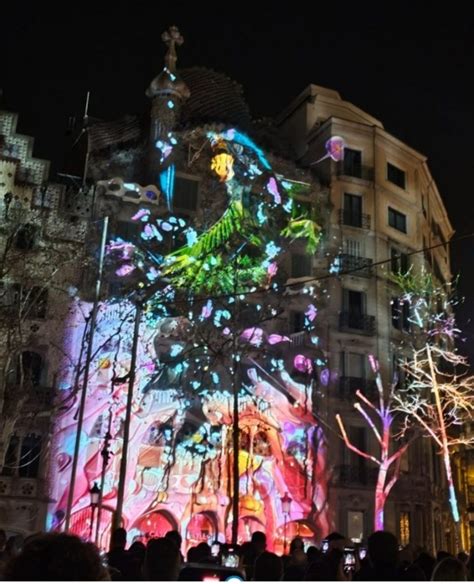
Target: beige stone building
384 209
40 271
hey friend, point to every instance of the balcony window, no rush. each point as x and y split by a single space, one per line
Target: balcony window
297 322
396 176
397 220
404 528
354 303
357 437
353 365
400 263
352 210
398 374
400 314
353 315
186 192
355 526
300 265
353 162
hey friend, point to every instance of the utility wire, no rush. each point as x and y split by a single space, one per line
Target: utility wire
328 276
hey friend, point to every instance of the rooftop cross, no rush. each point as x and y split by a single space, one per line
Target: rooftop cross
171 38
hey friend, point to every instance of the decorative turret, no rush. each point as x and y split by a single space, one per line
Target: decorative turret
167 91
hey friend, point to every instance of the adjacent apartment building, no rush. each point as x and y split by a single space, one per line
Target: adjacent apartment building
384 209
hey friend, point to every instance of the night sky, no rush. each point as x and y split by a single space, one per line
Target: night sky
413 71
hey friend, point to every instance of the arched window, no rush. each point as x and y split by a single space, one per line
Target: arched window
30 455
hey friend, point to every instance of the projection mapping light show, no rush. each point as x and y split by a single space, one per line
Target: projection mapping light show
210 325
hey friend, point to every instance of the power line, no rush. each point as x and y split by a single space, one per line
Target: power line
327 276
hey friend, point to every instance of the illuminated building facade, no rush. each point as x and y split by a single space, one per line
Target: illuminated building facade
218 228
385 206
201 223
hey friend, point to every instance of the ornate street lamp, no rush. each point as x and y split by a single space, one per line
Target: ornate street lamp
94 493
470 516
286 501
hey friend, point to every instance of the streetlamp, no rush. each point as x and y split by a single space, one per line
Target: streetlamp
94 493
286 508
470 516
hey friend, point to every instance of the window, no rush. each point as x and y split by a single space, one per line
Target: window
23 456
32 302
395 175
354 302
25 237
357 464
185 193
297 322
128 230
352 162
353 365
404 528
30 455
352 210
355 526
397 220
399 261
300 265
11 457
400 314
398 374
37 302
29 368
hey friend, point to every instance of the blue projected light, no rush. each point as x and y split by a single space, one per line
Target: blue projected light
167 184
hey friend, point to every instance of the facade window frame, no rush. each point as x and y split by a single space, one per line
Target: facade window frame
396 176
397 220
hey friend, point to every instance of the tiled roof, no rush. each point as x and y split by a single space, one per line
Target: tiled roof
214 98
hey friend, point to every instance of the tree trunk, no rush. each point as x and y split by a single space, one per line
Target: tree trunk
380 498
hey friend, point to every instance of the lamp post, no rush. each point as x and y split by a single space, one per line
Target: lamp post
117 518
83 391
470 516
94 493
106 454
286 508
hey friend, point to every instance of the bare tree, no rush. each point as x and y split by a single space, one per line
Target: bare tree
381 420
438 397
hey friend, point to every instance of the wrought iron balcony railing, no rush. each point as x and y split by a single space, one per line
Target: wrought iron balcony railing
357 266
352 219
355 171
347 474
349 385
356 322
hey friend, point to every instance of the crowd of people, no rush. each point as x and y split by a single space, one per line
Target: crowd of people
60 556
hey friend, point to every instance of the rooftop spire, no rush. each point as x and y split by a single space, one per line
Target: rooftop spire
171 38
168 81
